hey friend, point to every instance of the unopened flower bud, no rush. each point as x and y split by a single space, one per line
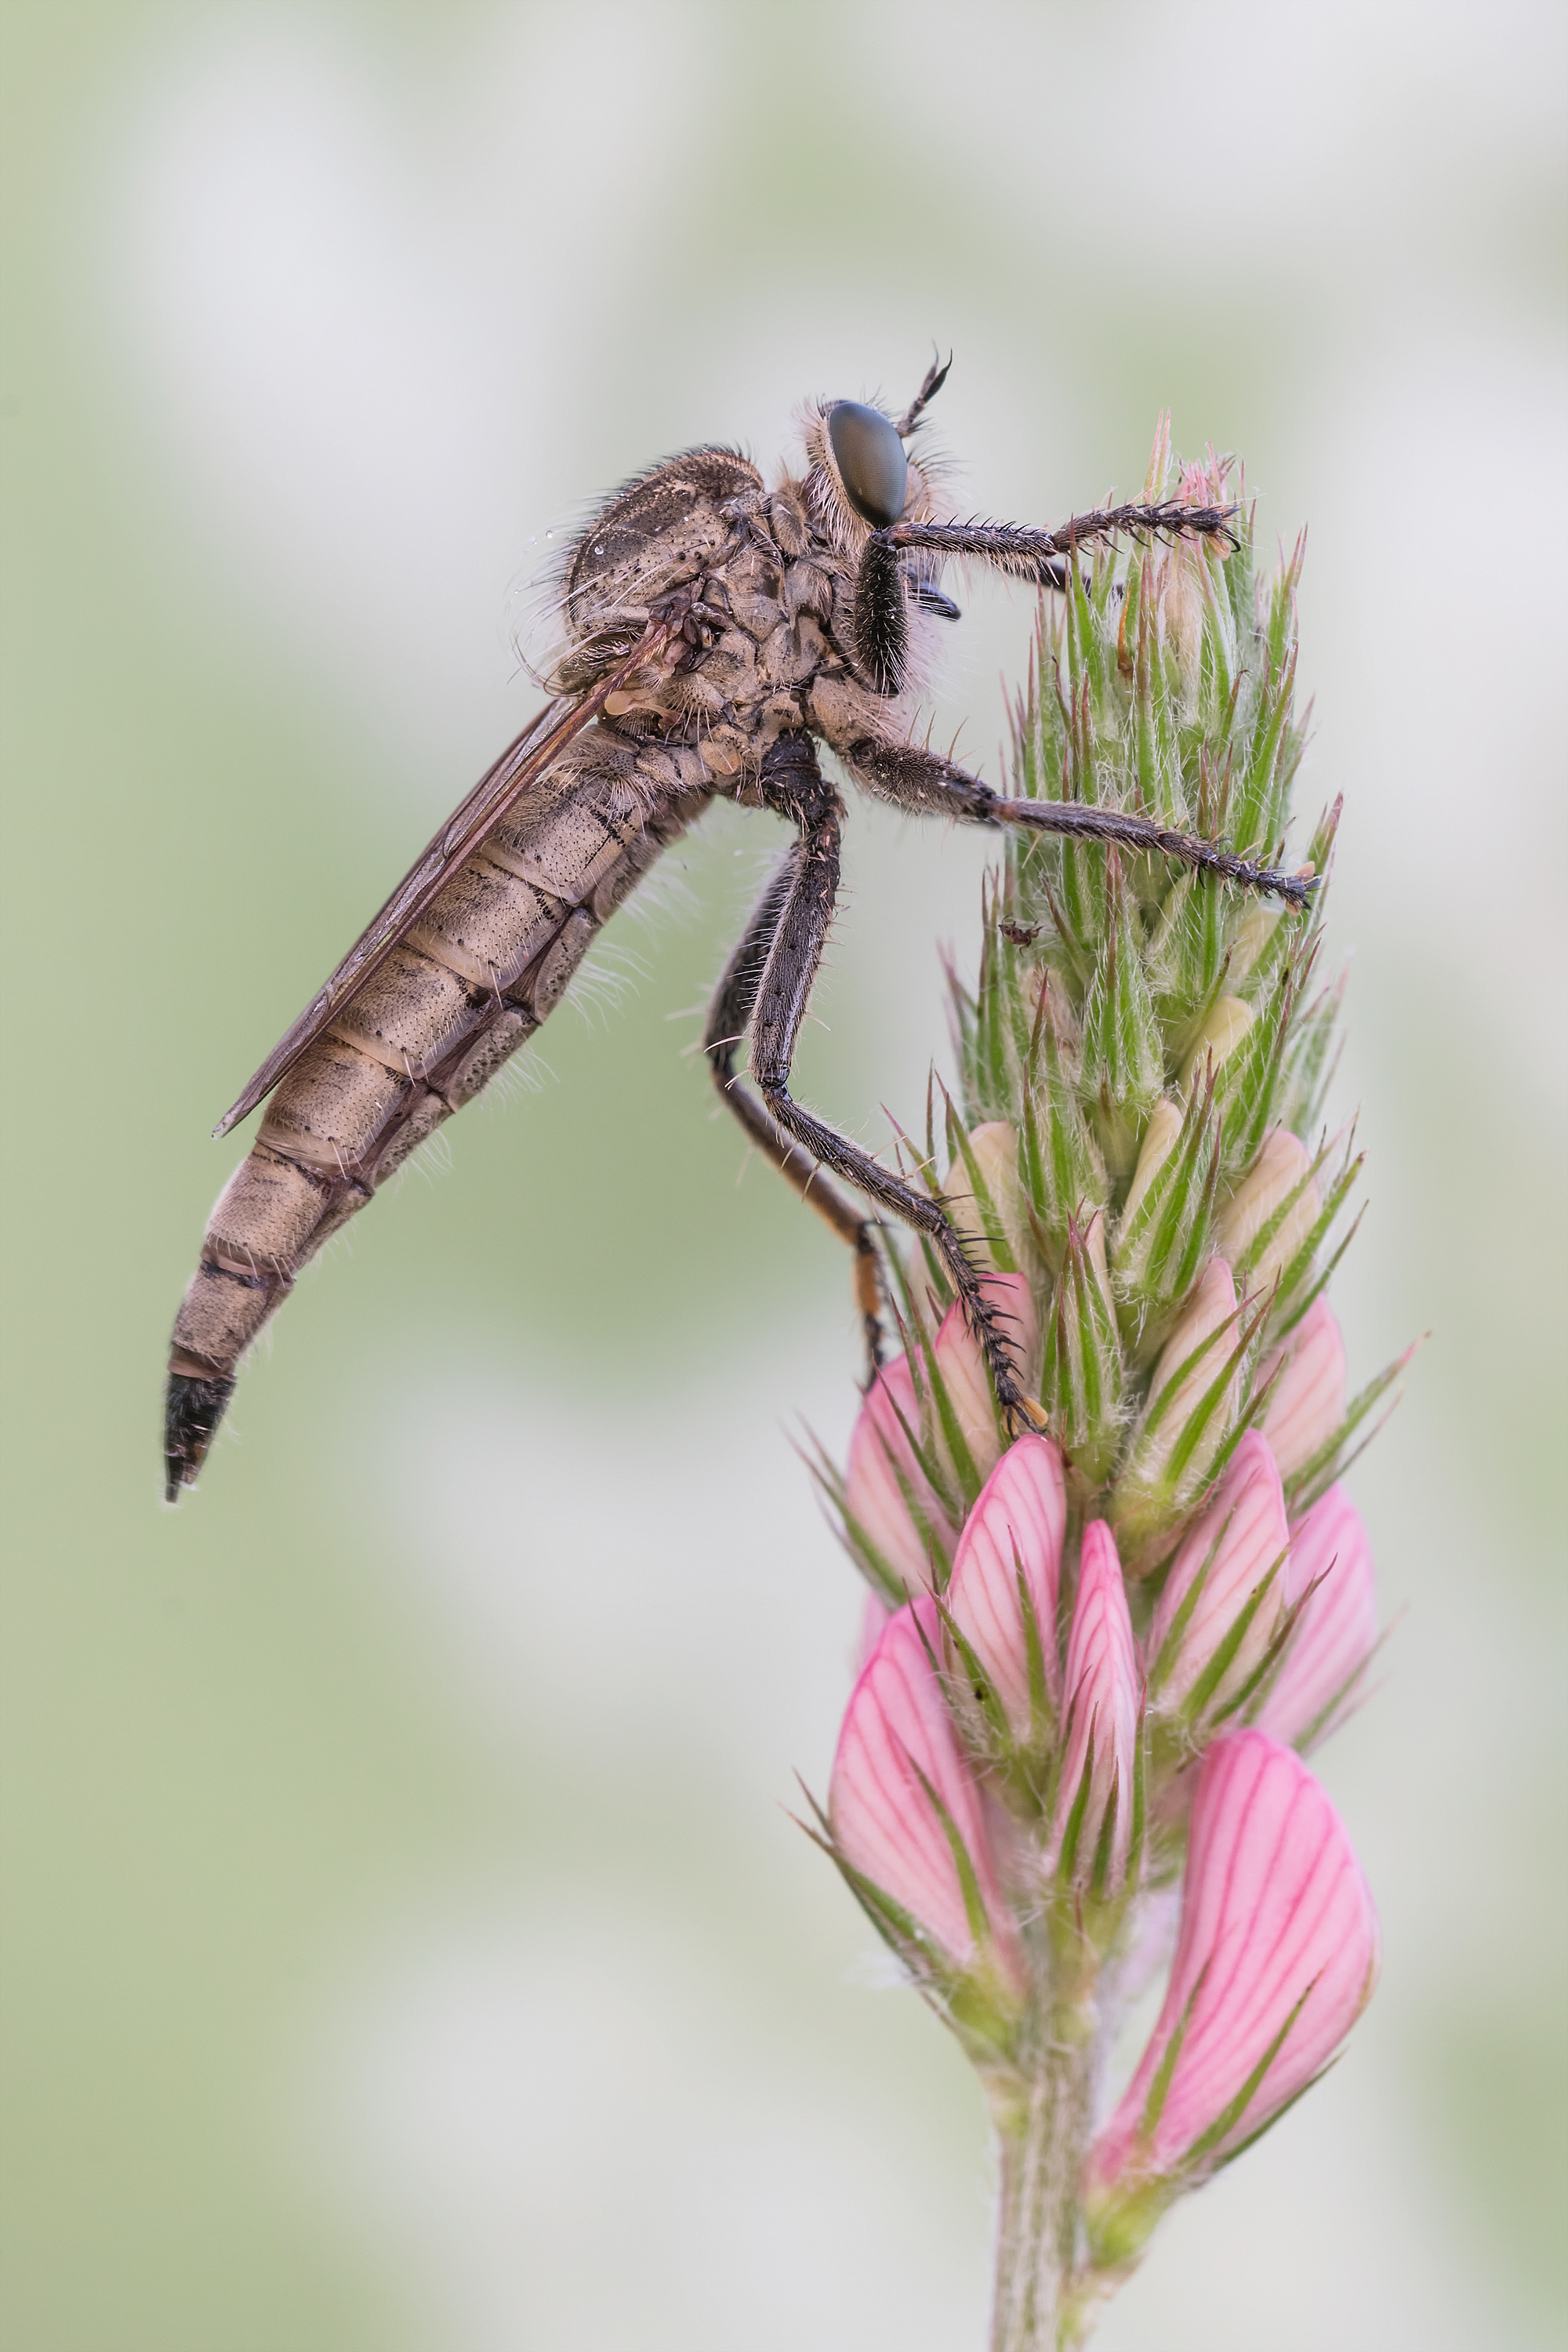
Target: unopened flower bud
1159 1142
897 1523
1230 1019
1008 1562
1275 1958
904 1807
1163 1233
1306 1403
1081 1368
1225 1593
1254 933
1099 1789
1336 1633
1192 1401
982 1194
1270 1215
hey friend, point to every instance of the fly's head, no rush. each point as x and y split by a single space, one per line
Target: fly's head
860 475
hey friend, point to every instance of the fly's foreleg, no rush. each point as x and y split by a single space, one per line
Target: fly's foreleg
927 785
799 905
728 1020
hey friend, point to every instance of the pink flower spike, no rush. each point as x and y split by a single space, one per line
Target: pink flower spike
1104 1720
897 1750
1306 1403
1275 1958
1336 1633
886 1494
1018 1521
961 1368
1241 1536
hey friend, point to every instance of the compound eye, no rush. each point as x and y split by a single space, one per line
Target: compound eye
871 462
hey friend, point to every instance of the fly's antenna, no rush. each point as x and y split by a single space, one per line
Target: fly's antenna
935 377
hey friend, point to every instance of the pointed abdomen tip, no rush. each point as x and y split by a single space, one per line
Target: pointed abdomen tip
192 1411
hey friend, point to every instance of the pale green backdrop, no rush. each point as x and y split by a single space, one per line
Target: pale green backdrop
407 1947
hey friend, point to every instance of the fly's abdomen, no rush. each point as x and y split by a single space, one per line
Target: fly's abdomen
489 961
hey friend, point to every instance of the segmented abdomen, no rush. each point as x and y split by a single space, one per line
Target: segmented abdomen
471 982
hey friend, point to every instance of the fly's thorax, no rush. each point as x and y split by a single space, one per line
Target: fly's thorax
661 531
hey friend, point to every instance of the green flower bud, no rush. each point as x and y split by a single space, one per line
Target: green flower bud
1081 1377
1272 1213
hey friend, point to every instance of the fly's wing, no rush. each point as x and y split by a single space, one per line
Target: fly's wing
495 793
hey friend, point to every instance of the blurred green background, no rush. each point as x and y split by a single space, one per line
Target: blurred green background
405 1944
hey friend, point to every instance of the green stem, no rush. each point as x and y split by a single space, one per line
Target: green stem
1042 2125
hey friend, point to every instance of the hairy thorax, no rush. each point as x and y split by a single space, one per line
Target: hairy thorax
770 576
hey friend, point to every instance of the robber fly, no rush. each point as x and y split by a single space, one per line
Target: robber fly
715 631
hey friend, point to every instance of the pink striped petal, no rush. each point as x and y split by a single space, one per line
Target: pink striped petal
896 1729
1275 1913
1104 1706
1245 1529
1306 1403
1336 1633
1018 1521
886 1494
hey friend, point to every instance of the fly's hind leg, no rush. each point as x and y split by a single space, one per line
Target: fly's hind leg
729 1017
770 979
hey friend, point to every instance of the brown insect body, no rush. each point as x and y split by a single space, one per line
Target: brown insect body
711 629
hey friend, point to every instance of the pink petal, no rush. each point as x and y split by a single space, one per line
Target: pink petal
962 1366
1274 1907
1018 1520
1246 1528
910 1528
896 1727
874 1615
1104 1697
1337 1630
1306 1403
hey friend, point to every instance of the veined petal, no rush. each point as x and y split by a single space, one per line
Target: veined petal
1336 1633
1275 1958
898 1769
1306 1403
1221 1569
1103 1710
886 1494
1018 1522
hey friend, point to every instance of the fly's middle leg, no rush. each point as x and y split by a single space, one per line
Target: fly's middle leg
770 977
728 1019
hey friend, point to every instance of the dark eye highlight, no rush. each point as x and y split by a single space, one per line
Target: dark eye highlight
870 460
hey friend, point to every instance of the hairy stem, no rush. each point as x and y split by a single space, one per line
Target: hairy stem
1041 2128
